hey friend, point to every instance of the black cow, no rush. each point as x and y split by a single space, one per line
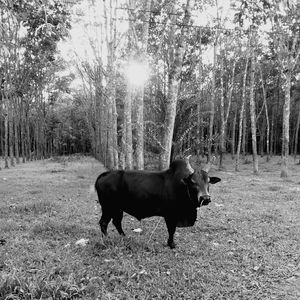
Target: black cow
173 194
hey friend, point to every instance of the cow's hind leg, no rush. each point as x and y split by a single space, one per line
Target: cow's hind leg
117 221
105 219
171 225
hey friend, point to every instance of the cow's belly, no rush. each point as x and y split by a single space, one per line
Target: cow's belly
142 208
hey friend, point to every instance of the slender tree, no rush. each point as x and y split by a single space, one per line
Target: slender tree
266 111
173 87
297 132
242 111
252 105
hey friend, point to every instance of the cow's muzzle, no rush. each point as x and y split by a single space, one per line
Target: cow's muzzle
204 200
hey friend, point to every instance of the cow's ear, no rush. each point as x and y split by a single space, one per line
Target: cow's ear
214 180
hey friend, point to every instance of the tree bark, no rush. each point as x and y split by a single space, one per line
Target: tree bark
6 136
245 133
224 116
222 111
241 117
140 94
252 114
11 134
297 132
199 115
267 113
16 130
127 127
212 101
22 131
112 146
173 88
233 138
286 125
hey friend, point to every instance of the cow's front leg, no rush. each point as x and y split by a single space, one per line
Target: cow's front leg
171 225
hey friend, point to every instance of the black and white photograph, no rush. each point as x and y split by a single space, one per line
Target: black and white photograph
149 149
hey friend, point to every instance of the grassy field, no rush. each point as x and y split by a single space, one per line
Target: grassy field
245 244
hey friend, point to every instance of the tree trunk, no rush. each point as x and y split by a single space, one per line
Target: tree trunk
16 129
267 113
22 132
286 125
297 133
128 130
2 134
6 137
173 88
98 95
212 102
112 146
272 133
233 134
200 145
224 116
253 115
222 111
237 160
11 134
262 138
140 95
28 142
245 133
140 129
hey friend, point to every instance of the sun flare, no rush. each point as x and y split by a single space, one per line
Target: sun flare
137 73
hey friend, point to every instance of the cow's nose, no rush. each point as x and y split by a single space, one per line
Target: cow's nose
205 199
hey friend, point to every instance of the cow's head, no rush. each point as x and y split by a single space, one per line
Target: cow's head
198 185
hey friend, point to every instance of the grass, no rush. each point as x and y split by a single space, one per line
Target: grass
245 244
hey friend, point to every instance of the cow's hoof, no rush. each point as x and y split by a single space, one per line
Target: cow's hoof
172 245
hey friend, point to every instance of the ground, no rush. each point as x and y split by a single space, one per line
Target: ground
245 244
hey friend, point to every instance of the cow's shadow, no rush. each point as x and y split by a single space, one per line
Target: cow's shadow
127 245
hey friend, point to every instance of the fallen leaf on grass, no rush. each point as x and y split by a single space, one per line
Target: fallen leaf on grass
137 230
256 268
82 242
142 272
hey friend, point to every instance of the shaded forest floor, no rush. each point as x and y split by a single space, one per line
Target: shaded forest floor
245 244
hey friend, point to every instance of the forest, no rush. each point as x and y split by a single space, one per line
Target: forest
139 83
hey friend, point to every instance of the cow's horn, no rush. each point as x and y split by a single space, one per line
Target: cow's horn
207 167
189 167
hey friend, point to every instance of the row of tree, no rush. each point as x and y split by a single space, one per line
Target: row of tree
244 100
29 33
